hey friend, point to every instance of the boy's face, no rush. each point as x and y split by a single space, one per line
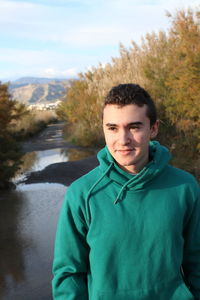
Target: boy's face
127 133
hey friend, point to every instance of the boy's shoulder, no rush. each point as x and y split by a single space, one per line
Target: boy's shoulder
182 176
86 181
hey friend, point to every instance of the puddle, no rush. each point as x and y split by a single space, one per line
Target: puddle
28 224
47 157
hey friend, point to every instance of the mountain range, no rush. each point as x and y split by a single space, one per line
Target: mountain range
33 90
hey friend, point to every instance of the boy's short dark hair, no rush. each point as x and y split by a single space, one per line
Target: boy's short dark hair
125 94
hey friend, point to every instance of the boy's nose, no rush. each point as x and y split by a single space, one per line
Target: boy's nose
124 138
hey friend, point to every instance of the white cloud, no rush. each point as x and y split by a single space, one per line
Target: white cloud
38 63
21 12
26 57
53 73
102 23
43 63
72 34
47 73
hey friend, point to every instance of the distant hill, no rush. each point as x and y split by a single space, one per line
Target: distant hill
33 90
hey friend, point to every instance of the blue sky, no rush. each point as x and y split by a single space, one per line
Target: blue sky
60 38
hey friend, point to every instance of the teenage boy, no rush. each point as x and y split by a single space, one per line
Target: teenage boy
130 228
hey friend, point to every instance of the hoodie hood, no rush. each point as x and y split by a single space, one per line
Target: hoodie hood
160 157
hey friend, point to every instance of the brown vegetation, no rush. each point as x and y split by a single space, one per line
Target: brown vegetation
167 64
31 123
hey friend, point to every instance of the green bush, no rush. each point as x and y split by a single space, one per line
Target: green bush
10 152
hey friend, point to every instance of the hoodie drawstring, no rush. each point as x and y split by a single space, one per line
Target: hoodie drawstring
93 186
121 191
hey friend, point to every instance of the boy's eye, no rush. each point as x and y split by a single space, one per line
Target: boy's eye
112 128
134 127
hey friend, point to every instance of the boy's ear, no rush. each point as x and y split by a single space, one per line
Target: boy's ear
154 129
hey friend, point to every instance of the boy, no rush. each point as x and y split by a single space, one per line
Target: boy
130 228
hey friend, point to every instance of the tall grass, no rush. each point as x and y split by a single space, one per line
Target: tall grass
32 123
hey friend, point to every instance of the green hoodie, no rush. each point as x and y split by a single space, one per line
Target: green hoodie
126 237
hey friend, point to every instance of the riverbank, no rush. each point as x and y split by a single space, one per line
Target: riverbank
63 172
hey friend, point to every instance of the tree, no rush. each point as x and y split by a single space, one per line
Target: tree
10 152
82 114
182 105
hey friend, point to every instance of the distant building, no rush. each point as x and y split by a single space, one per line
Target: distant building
44 106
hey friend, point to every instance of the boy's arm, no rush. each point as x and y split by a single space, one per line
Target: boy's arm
70 264
191 258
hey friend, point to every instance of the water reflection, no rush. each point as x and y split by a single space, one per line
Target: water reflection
77 154
12 243
28 161
28 224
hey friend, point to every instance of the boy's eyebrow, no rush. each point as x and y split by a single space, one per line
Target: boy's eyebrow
135 123
110 124
129 124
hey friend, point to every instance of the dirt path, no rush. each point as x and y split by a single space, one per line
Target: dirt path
63 172
50 138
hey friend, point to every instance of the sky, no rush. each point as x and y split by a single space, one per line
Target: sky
61 38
